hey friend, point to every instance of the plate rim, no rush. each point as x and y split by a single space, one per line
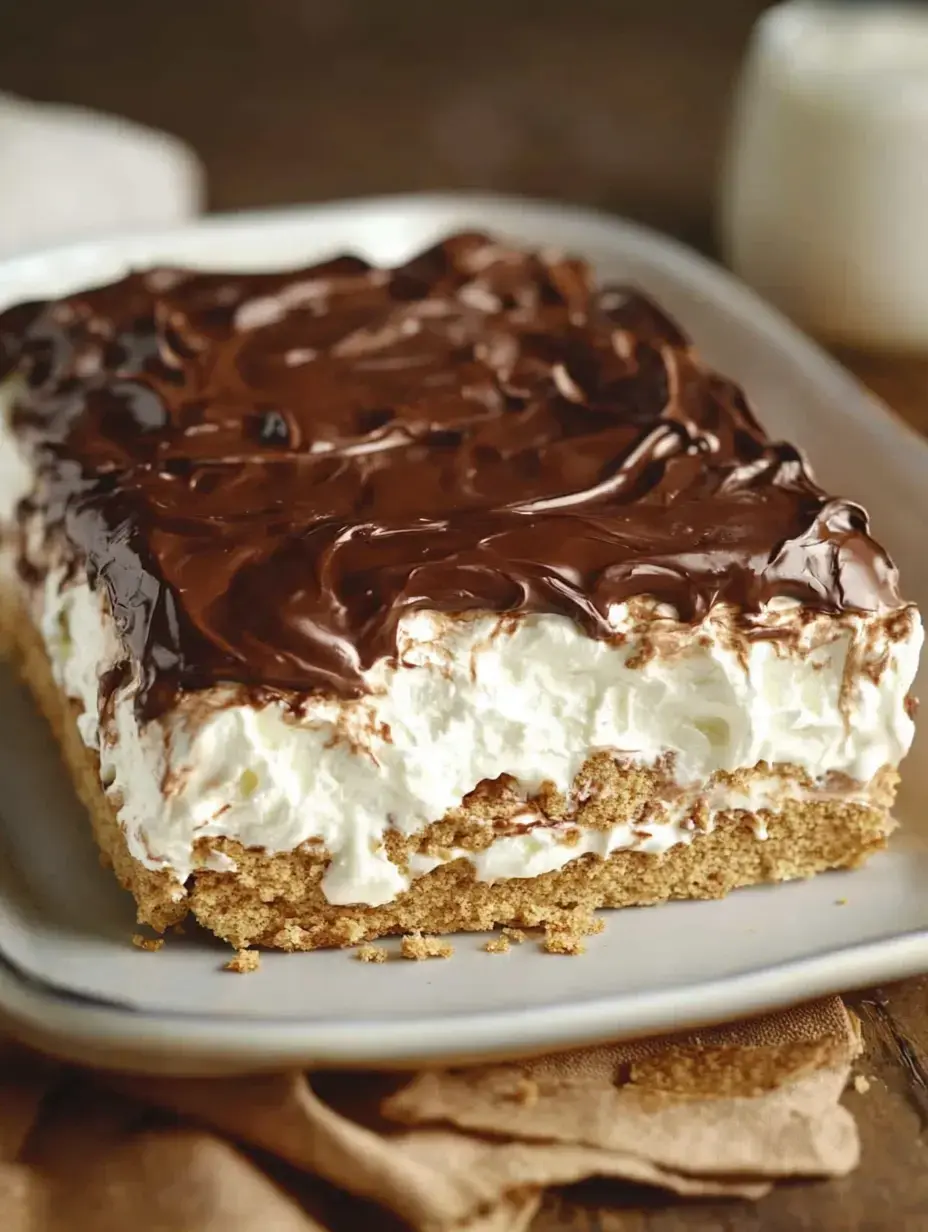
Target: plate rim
121 1037
115 1037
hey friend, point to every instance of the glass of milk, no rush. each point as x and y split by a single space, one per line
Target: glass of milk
824 197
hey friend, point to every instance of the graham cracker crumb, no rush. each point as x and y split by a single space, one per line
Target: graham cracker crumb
557 942
244 962
525 1092
498 945
178 929
515 935
861 1084
418 948
147 943
371 954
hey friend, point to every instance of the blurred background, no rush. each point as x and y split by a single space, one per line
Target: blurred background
624 105
620 104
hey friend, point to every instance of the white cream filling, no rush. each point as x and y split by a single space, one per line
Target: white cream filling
469 700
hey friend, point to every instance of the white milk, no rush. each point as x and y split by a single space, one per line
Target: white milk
824 202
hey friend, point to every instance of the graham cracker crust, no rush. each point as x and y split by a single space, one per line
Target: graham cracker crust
277 900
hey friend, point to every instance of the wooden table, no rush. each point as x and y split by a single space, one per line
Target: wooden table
616 104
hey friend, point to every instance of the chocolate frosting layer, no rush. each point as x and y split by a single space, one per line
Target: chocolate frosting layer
266 471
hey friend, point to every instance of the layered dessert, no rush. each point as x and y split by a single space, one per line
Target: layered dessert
440 597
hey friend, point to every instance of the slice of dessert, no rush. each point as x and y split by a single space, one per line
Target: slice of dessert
366 600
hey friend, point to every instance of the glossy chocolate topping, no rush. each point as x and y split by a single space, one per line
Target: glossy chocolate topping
266 471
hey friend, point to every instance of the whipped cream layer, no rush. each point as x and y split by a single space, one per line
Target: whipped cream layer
470 699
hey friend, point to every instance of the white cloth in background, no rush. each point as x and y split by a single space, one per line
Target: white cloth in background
67 173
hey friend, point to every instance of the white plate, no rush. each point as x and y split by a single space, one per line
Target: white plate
73 983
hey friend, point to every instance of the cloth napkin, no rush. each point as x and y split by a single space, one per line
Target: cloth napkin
67 173
722 1112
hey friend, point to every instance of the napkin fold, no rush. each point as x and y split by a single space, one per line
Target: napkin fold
721 1112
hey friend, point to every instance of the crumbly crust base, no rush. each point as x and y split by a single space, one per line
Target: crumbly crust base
277 900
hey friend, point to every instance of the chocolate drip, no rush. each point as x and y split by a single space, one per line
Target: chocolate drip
266 471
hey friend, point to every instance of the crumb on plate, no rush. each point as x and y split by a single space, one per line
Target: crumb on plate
243 962
371 954
147 943
498 945
418 948
559 942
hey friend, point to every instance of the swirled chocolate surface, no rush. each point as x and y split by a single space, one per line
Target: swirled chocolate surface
266 471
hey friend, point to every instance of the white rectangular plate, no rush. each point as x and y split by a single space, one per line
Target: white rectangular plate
72 982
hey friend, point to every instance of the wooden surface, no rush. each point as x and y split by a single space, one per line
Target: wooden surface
616 104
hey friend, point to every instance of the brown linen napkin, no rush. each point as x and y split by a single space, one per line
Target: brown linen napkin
719 1112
